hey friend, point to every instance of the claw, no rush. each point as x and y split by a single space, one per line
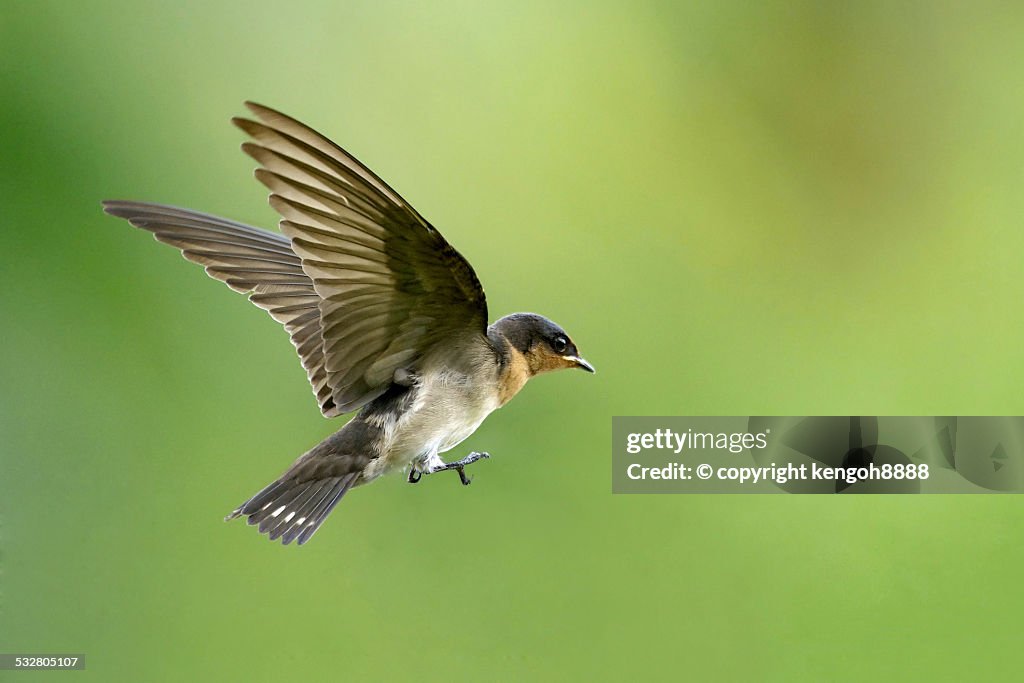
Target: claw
459 466
414 476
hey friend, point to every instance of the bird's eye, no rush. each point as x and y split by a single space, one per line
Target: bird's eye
559 343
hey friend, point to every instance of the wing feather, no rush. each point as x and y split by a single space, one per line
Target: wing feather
362 283
344 221
249 260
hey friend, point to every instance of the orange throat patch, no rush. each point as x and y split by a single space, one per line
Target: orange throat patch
514 376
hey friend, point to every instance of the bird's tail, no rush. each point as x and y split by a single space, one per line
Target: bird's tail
293 508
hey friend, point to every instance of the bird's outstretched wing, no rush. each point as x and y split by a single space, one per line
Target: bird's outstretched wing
250 260
363 283
391 288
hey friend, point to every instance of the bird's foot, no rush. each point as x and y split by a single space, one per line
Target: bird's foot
459 466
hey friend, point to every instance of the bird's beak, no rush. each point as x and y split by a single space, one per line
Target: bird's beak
580 363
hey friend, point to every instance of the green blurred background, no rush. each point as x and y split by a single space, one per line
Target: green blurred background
734 208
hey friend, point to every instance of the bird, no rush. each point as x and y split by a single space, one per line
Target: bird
389 321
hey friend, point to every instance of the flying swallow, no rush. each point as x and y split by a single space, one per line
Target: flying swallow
387 317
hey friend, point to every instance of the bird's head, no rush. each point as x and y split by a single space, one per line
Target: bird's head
544 345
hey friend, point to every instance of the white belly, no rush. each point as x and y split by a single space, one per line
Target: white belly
447 410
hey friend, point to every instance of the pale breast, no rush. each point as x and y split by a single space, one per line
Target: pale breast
449 407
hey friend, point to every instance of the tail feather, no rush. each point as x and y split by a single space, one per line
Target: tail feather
316 518
311 504
291 509
271 510
295 505
257 501
287 513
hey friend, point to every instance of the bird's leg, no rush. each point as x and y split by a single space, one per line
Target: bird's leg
459 466
434 464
